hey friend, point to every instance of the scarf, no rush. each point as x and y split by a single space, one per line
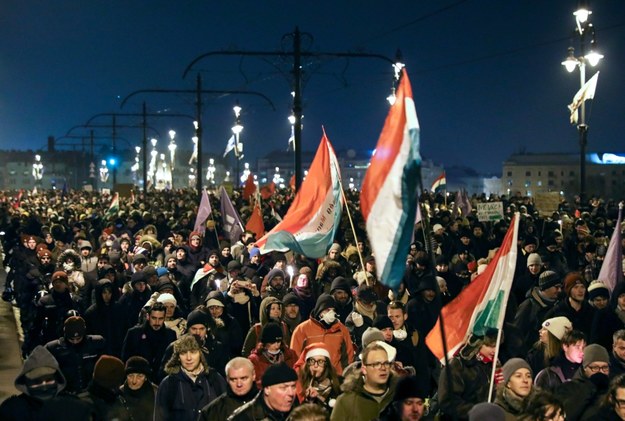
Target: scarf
193 375
362 310
273 358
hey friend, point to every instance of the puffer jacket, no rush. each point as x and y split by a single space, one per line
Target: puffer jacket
356 404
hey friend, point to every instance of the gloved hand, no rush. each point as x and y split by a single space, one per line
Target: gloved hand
498 376
357 319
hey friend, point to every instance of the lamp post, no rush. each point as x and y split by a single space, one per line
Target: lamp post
37 170
172 154
104 172
236 131
585 34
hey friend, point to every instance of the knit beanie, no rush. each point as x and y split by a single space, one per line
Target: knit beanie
534 259
109 372
409 387
186 343
548 279
59 275
74 327
137 277
512 365
197 317
558 326
290 298
595 353
487 412
139 365
335 247
271 333
572 279
166 298
598 289
234 265
382 322
341 283
277 374
370 335
255 251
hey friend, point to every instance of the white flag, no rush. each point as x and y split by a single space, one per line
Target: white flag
586 92
230 146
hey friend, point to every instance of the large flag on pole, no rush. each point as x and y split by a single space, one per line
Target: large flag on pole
481 305
440 183
230 145
250 187
230 220
462 204
389 191
203 213
255 223
611 272
587 91
309 225
114 207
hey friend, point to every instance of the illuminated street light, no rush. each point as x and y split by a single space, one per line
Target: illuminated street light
104 172
37 169
236 131
210 173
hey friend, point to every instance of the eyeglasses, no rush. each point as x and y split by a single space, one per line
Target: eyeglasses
597 368
379 364
620 403
313 362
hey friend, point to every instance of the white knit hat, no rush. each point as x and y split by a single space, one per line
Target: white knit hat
317 352
167 298
558 326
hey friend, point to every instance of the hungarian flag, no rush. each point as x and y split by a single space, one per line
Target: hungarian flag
230 220
255 223
250 187
481 305
268 190
612 268
440 183
389 190
203 212
114 207
309 225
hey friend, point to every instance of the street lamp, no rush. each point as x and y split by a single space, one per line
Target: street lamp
104 172
585 33
153 155
236 131
135 166
172 154
210 173
37 170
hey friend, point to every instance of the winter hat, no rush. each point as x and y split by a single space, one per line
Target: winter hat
74 327
214 302
487 412
572 279
324 302
137 277
437 227
85 245
271 333
273 273
109 372
598 289
595 353
150 271
558 326
409 387
139 258
548 279
290 298
530 240
255 251
318 349
534 259
340 283
372 334
160 271
382 322
186 343
335 247
233 265
59 275
139 365
167 298
197 317
43 252
366 294
391 351
277 374
511 366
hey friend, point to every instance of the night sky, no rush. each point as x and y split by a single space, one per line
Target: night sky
486 75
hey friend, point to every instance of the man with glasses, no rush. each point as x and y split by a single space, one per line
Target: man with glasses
613 407
368 391
582 396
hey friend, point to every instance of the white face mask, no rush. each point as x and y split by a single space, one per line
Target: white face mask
272 352
68 267
400 334
329 317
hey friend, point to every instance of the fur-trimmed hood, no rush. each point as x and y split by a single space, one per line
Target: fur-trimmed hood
68 254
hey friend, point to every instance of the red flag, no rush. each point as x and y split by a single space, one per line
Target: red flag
18 201
267 190
255 223
292 182
249 187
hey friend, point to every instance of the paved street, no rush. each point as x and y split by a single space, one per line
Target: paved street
10 355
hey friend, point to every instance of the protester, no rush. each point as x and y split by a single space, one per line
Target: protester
516 387
138 393
317 381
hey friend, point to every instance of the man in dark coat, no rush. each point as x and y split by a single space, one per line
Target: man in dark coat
150 339
575 307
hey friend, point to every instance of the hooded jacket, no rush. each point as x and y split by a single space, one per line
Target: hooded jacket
106 320
253 335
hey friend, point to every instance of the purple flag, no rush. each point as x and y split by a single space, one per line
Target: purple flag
202 213
612 268
230 218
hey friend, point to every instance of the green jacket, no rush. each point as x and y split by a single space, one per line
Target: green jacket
358 405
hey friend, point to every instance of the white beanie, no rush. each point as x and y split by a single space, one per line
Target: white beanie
558 326
317 352
167 298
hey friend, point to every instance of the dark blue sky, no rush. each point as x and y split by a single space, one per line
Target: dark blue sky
486 75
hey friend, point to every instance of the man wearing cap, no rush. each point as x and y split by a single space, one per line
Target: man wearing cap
341 291
409 401
575 306
41 383
150 339
76 353
276 399
226 328
291 314
365 311
533 310
240 378
582 395
324 326
190 385
367 391
103 391
330 267
104 317
275 284
132 302
138 392
271 350
526 278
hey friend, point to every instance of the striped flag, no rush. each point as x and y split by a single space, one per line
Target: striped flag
230 220
309 226
203 212
440 183
114 207
612 268
389 191
481 305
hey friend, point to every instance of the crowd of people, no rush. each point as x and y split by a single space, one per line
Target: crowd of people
133 314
